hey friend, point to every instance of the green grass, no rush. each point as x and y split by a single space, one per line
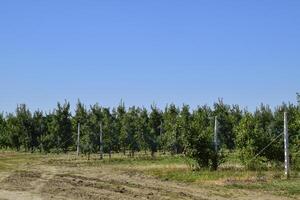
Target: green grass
11 160
116 161
146 160
186 175
279 186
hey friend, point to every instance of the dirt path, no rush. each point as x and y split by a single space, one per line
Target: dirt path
64 183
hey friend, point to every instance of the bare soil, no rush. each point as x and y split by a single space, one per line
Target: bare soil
64 182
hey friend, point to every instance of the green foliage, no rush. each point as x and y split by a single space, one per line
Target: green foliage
4 143
175 130
154 137
172 138
251 161
60 128
227 118
255 132
295 155
199 145
144 137
24 127
82 118
39 128
119 116
110 138
130 130
184 121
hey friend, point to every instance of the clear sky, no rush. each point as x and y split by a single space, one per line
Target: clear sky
145 51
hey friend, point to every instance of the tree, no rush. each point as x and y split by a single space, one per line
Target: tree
83 117
39 129
144 138
199 140
130 131
258 130
25 127
110 137
172 136
115 130
227 118
48 139
119 126
95 118
245 139
264 132
154 139
293 115
12 131
60 127
185 123
174 130
4 143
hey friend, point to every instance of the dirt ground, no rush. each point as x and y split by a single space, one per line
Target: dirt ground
64 182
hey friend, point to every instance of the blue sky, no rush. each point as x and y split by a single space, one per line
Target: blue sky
165 51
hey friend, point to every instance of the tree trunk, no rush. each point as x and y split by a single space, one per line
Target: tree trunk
152 153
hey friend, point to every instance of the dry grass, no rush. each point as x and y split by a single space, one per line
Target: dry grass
34 176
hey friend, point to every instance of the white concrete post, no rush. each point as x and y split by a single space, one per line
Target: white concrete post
286 147
101 142
216 134
78 139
